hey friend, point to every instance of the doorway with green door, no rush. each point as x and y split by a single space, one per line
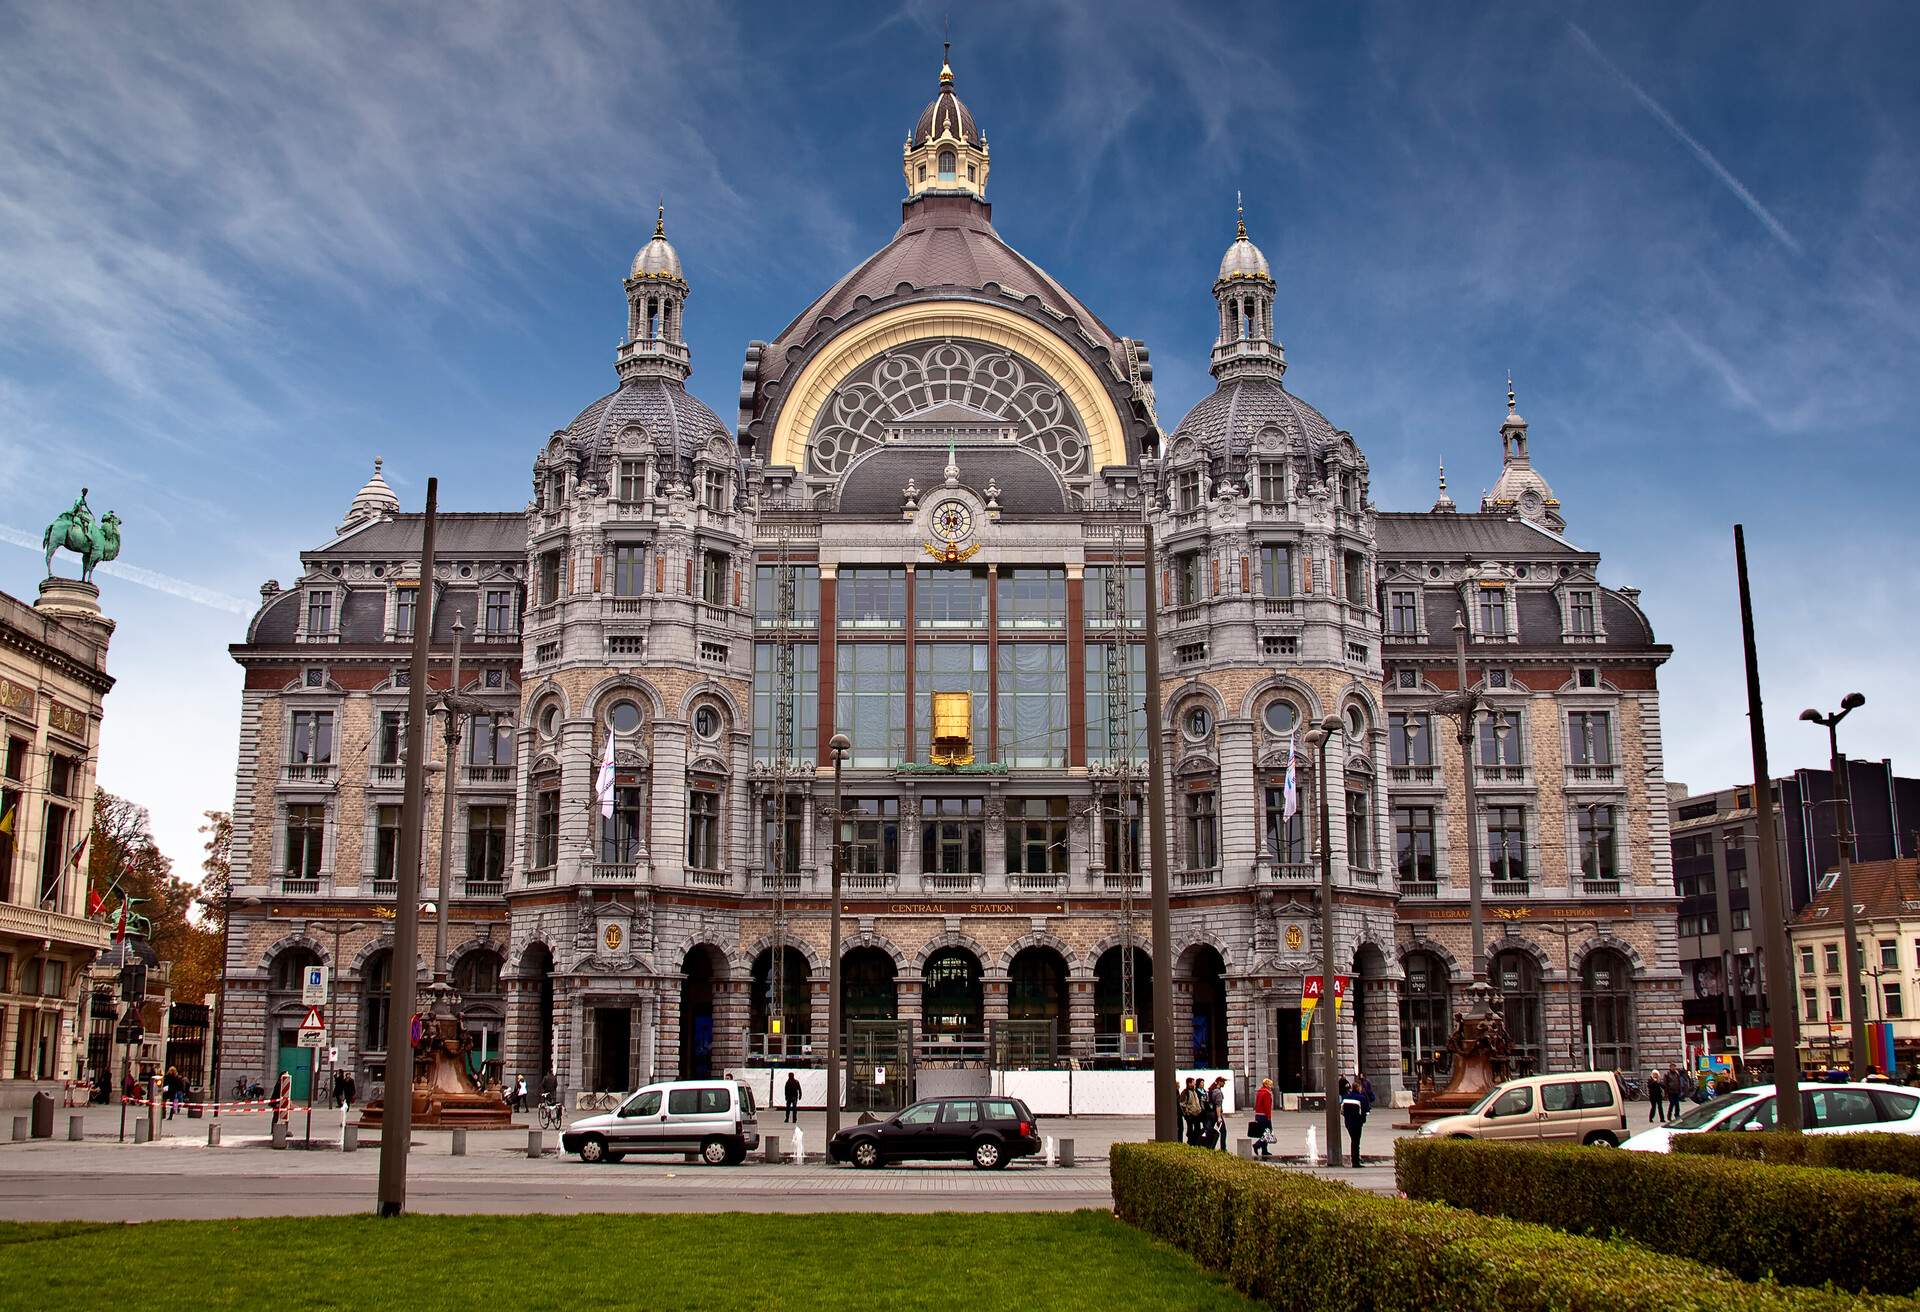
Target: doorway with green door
297 1062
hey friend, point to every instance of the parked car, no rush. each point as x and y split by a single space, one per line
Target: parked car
1824 1109
1585 1107
990 1131
714 1118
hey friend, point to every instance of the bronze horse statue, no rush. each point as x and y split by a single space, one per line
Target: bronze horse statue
77 531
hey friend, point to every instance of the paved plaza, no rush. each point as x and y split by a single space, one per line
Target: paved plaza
178 1177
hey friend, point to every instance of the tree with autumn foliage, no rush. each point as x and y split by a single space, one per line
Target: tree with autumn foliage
124 861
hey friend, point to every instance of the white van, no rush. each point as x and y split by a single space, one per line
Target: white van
1573 1107
714 1118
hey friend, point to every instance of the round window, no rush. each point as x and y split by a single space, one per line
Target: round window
550 720
623 717
1199 722
1280 716
1356 722
706 722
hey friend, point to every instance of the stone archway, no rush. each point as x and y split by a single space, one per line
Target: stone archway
1202 973
1375 1018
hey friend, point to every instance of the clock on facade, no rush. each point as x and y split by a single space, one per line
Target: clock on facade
952 519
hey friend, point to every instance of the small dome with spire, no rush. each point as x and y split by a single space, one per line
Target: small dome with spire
1520 489
1443 504
947 154
944 114
657 259
375 501
1243 259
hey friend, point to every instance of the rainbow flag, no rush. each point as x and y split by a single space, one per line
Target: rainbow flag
1880 1046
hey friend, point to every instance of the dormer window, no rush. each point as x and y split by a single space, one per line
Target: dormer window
320 611
403 605
1580 614
713 489
946 166
1493 612
1186 490
556 489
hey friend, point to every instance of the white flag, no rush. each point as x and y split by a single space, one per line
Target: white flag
603 785
1290 806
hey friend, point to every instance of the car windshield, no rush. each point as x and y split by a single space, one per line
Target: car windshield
1709 1112
1485 1102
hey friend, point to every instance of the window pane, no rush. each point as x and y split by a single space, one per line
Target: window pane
806 699
1033 703
868 706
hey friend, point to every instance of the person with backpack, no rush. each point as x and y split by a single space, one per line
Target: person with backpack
1192 1107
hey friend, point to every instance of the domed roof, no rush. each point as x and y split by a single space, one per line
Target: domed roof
1244 260
658 259
945 115
1226 422
374 501
678 423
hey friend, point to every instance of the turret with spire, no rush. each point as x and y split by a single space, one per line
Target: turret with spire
656 299
1520 490
1244 291
946 153
374 501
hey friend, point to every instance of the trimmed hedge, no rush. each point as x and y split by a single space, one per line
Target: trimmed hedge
1889 1154
1798 1225
1310 1245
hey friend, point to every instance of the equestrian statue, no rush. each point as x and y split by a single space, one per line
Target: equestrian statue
90 539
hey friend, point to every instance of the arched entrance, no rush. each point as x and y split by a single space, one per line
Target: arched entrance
1426 1016
866 985
794 1010
1036 1009
952 998
1205 974
1606 1011
476 978
1372 1002
876 1043
1110 1038
1516 977
536 976
696 1012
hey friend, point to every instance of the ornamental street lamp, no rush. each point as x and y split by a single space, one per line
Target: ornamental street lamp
453 705
1465 706
1317 738
1843 840
838 745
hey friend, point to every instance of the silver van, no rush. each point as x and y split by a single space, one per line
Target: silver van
1576 1107
714 1118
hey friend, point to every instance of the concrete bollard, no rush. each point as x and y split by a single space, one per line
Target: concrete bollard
1243 1148
22 1127
459 1143
536 1143
76 1128
142 1131
350 1139
1066 1152
213 1135
279 1134
770 1148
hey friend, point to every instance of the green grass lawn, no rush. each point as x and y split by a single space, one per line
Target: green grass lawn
1018 1261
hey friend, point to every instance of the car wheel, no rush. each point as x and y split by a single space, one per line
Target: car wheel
593 1149
866 1154
1601 1139
714 1152
988 1155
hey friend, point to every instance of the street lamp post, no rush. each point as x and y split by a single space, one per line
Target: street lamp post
1843 839
1318 738
1465 705
838 745
337 930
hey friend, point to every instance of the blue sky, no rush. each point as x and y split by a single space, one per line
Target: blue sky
246 248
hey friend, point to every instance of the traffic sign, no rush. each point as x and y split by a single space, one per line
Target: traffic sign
313 985
314 1020
313 1038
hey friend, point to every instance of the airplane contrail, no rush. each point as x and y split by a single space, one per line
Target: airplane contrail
146 578
1705 156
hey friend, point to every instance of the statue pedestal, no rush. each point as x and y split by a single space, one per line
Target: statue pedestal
1480 1047
75 602
444 1094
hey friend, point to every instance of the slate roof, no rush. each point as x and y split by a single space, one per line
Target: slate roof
1885 888
679 424
363 617
1422 533
1226 420
459 533
1027 483
946 113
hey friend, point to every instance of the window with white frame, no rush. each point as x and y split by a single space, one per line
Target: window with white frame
1186 490
633 481
499 616
312 738
1270 487
1493 612
713 489
405 598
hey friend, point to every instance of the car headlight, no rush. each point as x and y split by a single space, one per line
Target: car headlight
1424 1132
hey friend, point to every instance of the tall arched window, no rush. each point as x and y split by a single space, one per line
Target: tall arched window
1517 978
376 998
946 166
1426 1015
1606 1010
290 968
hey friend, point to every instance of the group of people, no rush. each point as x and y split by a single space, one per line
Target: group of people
1203 1112
344 1089
515 1091
1203 1115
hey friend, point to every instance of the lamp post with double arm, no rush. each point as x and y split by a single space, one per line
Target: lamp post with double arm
1843 840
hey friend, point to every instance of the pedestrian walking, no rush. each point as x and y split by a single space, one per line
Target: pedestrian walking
1192 1105
170 1086
1263 1120
1656 1096
1354 1112
520 1094
793 1097
1365 1087
348 1088
1217 1112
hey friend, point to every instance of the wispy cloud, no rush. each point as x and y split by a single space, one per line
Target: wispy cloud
1687 139
146 578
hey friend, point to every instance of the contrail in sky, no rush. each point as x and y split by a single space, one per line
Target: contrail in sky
1705 156
146 578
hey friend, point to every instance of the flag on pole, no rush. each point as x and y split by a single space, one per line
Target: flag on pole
95 903
120 934
73 858
603 785
6 821
1291 805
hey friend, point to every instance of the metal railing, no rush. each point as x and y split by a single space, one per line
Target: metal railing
952 1045
1123 1047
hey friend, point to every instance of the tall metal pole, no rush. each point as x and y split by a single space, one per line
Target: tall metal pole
1468 705
396 1129
444 906
838 745
220 993
1166 1125
1786 1021
1319 737
1843 842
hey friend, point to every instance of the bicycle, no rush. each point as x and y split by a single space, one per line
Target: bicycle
551 1116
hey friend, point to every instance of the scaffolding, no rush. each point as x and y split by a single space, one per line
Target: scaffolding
1116 636
782 775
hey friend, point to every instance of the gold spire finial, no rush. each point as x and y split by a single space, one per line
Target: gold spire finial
1510 397
660 221
946 63
1239 217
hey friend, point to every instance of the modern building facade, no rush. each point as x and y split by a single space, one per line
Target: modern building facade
928 531
53 688
1715 837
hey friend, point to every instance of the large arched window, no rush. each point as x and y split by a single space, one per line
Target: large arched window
1517 979
477 974
951 1001
376 998
1110 1002
795 1009
290 968
1606 1010
1426 1015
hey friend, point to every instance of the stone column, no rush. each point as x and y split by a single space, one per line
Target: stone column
1079 1035
993 1002
732 1004
1239 803
994 867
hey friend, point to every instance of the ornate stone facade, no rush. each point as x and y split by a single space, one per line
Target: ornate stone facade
934 513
